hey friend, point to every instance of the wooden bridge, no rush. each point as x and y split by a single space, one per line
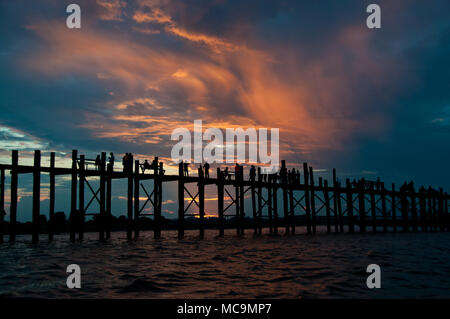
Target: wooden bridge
359 206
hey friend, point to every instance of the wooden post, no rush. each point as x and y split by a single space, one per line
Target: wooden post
181 200
2 203
413 209
102 196
312 200
241 198
51 213
220 195
422 209
160 195
109 172
393 208
73 197
259 201
13 205
201 197
373 209
362 207
383 207
36 195
351 226
252 189
269 208
441 210
291 209
307 199
327 205
237 206
435 212
430 210
447 217
283 175
81 212
156 194
275 210
336 199
129 172
136 199
404 208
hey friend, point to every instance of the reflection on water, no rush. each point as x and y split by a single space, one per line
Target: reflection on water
300 266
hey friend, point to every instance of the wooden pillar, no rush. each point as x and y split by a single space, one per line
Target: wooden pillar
275 210
413 209
383 207
241 198
109 173
283 175
291 209
237 205
447 217
254 210
404 209
220 200
422 209
13 205
160 195
394 208
136 199
51 213
201 196
73 197
2 203
102 196
129 172
336 199
362 206
259 201
307 199
156 194
36 195
351 226
327 205
181 200
312 200
373 209
81 212
269 208
429 199
441 210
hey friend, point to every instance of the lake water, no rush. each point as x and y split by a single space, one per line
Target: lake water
320 266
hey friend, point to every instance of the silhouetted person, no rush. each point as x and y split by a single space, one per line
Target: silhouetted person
98 162
161 170
206 166
227 174
111 161
186 168
378 184
200 171
146 165
252 173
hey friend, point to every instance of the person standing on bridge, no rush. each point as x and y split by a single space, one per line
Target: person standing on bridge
186 168
252 173
206 166
98 162
111 161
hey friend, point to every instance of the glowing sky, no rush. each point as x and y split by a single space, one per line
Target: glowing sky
368 102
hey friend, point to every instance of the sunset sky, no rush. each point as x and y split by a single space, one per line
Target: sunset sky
368 102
